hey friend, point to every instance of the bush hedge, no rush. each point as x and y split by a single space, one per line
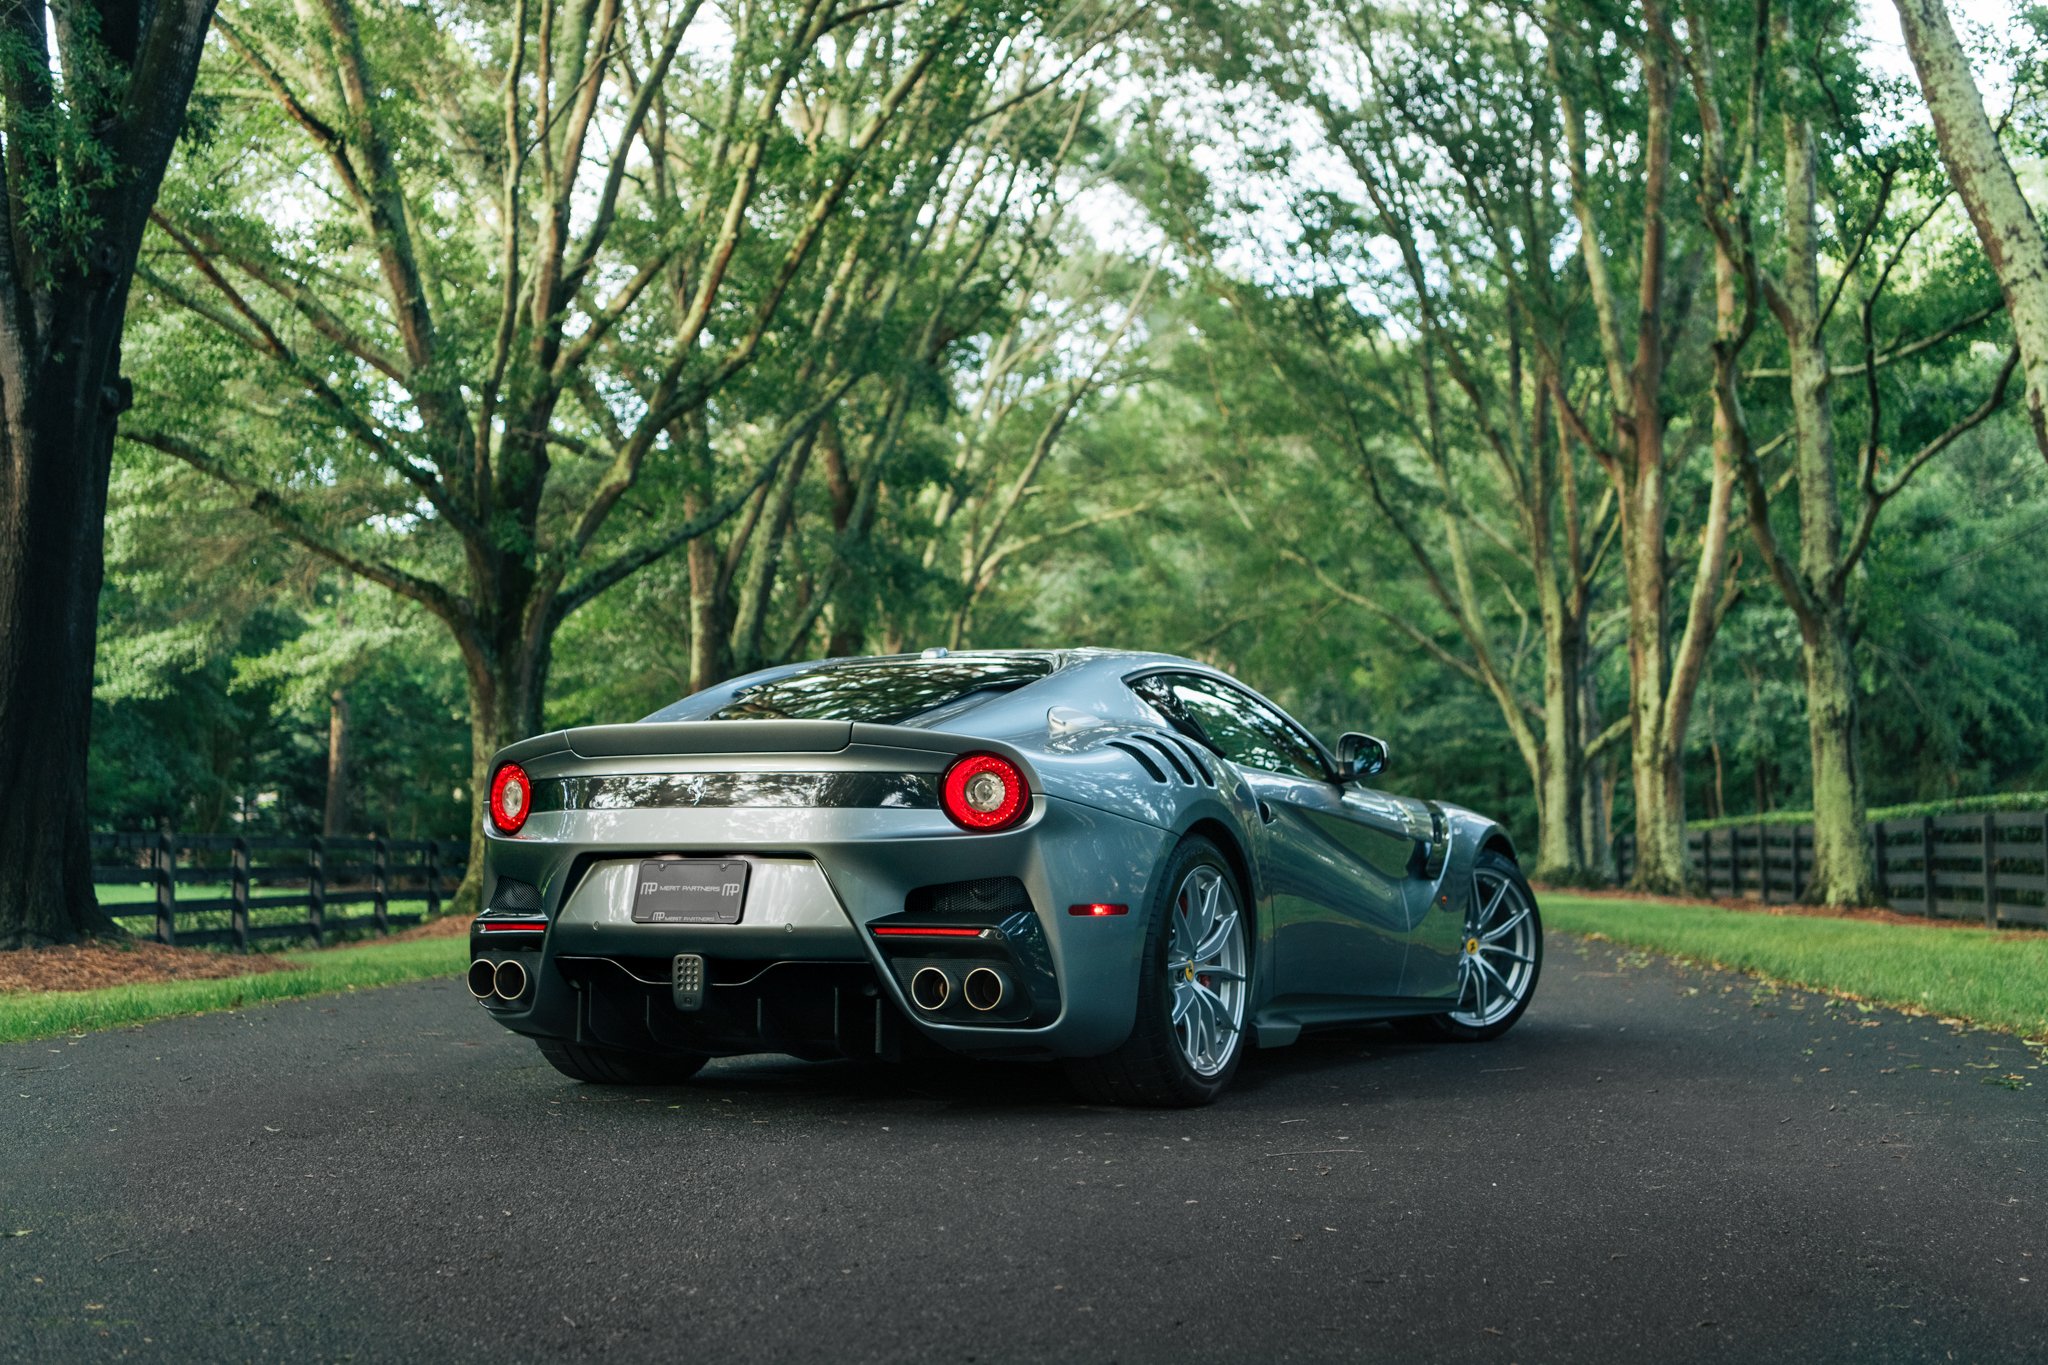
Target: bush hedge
1959 805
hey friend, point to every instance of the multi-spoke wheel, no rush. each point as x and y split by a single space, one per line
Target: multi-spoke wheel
1499 955
1205 962
1192 988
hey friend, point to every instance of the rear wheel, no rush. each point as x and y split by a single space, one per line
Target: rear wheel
1193 982
600 1066
1499 957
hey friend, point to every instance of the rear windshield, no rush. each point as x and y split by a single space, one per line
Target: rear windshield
879 692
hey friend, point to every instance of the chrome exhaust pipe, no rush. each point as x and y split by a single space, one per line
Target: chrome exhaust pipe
511 980
483 978
930 988
984 989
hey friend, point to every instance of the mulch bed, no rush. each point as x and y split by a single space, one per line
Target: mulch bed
95 964
98 963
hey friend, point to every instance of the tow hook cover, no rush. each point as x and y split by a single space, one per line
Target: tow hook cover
687 985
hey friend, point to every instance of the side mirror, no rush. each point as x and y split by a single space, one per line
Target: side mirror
1359 757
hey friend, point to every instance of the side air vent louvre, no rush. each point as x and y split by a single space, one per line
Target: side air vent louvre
1144 761
1195 757
1172 756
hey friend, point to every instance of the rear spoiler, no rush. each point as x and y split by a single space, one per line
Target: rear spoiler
660 739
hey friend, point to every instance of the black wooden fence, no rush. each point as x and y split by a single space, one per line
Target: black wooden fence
1992 867
326 881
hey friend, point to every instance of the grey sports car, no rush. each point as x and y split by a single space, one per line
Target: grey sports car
1130 863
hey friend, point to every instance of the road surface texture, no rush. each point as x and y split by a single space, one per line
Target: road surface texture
1658 1164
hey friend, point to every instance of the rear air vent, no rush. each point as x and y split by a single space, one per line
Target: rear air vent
1157 773
1175 759
985 900
515 895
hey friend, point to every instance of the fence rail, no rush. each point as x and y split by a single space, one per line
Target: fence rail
1991 867
268 874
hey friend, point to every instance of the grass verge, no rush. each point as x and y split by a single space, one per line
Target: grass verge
44 1014
1999 980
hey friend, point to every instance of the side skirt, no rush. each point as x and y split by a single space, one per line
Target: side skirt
1282 1022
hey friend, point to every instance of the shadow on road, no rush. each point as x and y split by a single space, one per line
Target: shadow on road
1369 1057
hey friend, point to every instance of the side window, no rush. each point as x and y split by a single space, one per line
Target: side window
1236 725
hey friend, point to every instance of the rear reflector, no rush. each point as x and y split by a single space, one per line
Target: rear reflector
919 931
512 926
1096 909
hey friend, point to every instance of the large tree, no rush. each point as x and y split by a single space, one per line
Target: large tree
1793 58
476 300
92 94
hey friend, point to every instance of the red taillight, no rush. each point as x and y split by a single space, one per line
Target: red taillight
920 931
1098 908
984 792
511 798
513 926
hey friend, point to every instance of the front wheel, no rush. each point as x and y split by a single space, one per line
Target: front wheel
1499 956
1193 983
600 1066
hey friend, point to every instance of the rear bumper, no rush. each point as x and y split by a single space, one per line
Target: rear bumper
801 971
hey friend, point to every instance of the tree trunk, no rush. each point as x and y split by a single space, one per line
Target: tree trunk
1843 870
56 449
710 616
1658 780
1976 162
334 821
62 305
1561 777
505 691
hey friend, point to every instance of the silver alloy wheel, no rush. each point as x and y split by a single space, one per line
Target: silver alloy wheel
1497 962
1205 961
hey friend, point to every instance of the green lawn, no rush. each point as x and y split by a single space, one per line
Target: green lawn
43 1014
1998 980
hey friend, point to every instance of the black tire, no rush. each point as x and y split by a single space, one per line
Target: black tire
599 1066
1450 1028
1150 1069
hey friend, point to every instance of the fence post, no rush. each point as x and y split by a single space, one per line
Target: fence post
1884 886
433 879
316 889
1990 871
166 887
1763 862
238 892
377 868
1797 886
1927 863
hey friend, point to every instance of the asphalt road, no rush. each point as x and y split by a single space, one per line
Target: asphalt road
1657 1164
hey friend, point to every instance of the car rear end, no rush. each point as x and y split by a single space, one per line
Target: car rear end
822 887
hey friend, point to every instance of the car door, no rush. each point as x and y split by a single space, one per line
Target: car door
1335 861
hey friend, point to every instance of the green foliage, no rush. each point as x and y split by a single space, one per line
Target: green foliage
57 118
1137 360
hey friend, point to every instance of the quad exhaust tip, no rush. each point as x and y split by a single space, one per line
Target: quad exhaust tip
511 980
930 988
482 979
984 989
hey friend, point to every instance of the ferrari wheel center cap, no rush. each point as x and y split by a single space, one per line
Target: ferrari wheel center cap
1471 945
1190 972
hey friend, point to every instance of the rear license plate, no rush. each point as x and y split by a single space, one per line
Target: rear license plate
690 891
